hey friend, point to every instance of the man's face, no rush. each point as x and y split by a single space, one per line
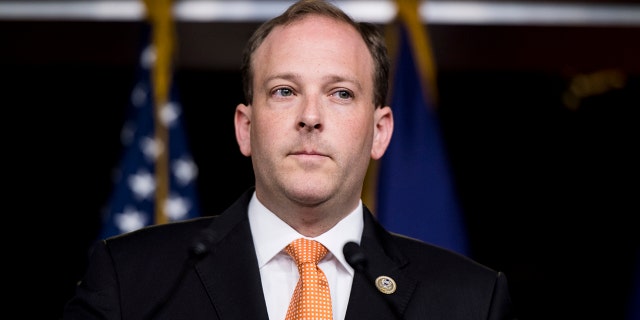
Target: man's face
312 126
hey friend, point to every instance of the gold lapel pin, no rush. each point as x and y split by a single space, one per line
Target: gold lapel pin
386 284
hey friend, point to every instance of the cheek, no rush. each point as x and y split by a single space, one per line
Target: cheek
358 134
265 130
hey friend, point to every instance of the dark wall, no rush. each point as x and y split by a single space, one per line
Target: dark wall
546 185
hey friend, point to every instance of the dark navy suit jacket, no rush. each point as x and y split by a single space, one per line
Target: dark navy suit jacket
148 274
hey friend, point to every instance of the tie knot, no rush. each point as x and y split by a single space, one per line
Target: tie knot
306 251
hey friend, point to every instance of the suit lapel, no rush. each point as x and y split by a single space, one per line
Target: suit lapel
384 259
230 271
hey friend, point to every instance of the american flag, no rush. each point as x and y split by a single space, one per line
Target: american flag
134 202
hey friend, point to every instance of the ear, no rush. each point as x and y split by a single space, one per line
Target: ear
382 132
242 122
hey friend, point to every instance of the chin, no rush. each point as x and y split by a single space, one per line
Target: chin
309 194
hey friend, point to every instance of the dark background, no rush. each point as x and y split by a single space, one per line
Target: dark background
548 188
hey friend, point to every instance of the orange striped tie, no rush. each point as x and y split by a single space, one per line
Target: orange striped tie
311 298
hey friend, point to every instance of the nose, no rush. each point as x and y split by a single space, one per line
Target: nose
309 126
310 117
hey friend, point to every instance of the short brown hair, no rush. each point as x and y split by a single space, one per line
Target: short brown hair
371 34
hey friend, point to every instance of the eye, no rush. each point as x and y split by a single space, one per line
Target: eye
283 92
343 94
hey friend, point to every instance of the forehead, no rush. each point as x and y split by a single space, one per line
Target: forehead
314 42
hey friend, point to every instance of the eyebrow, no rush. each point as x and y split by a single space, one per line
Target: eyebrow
336 78
285 76
330 78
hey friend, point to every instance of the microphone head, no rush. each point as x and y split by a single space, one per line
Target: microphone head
200 247
355 256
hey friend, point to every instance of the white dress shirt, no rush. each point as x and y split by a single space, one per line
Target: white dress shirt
278 270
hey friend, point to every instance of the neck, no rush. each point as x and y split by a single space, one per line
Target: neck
309 220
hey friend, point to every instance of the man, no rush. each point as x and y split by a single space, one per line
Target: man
315 115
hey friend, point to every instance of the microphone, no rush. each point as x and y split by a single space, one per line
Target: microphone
355 256
198 250
357 259
200 246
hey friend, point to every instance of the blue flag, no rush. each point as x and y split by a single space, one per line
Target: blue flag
415 190
133 202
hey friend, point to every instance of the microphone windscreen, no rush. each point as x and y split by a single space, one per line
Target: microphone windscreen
354 255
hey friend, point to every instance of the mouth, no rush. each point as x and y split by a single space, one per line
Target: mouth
308 154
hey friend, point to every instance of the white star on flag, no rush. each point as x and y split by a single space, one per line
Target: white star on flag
131 219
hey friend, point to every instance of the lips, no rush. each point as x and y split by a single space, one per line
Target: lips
309 153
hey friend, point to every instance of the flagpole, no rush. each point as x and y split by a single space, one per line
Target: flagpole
408 13
159 14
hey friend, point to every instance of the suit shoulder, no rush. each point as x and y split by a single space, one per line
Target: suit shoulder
178 235
426 255
459 281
